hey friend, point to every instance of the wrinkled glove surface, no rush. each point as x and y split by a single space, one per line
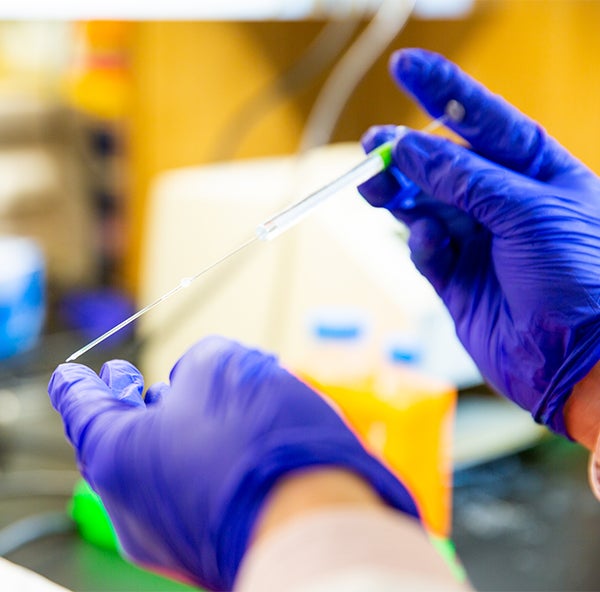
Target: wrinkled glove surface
506 229
183 473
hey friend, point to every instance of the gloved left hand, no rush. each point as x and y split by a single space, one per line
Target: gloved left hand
183 474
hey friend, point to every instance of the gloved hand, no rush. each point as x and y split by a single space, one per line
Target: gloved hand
184 474
507 232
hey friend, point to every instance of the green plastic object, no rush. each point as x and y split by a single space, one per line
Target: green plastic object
385 152
445 547
88 512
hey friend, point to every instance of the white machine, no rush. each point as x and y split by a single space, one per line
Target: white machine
346 254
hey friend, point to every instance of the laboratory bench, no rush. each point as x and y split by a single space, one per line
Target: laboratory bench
522 520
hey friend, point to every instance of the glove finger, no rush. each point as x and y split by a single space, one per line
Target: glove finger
82 397
431 251
124 380
156 393
379 134
459 178
382 188
494 128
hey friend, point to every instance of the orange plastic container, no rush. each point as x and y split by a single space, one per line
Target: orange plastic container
405 419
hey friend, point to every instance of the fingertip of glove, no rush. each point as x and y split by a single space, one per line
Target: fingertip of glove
215 345
412 64
380 191
377 135
66 375
429 77
68 372
157 393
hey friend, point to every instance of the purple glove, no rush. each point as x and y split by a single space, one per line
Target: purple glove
507 232
184 477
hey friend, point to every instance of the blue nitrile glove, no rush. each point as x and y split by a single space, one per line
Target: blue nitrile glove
507 232
183 478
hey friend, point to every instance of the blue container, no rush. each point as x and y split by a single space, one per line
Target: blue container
22 295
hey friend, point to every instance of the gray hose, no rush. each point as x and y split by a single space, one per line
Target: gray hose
387 23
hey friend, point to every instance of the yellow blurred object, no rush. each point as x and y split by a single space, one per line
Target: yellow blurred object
107 35
99 81
405 419
104 94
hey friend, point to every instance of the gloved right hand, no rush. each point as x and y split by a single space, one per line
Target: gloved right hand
185 472
507 231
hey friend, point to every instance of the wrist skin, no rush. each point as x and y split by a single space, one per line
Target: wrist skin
312 490
327 527
582 410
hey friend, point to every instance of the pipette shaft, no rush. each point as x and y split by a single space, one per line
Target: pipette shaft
375 162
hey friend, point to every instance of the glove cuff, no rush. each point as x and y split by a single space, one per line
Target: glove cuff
302 451
575 368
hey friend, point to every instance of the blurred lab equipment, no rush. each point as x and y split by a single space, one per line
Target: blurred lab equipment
41 186
338 348
22 294
263 298
63 100
98 88
403 416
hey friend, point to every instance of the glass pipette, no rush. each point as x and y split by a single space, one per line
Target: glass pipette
375 162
